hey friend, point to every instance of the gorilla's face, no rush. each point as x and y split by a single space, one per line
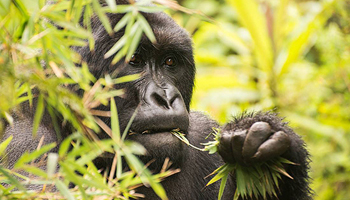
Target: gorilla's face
162 93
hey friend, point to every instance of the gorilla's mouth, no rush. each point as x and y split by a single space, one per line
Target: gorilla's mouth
160 139
150 122
155 131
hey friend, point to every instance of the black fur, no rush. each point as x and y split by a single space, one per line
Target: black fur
178 83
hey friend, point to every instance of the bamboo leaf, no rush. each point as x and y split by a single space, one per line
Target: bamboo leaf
119 9
114 121
35 171
146 28
251 17
52 161
121 24
64 189
127 78
38 115
296 47
64 146
20 6
221 172
27 157
4 144
151 9
134 44
145 175
12 179
119 55
112 5
75 30
116 47
102 16
129 125
222 186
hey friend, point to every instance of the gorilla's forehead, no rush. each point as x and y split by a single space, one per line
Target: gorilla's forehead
169 35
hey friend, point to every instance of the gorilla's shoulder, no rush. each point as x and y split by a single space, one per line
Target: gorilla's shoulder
201 125
198 117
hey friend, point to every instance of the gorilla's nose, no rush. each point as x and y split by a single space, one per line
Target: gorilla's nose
166 97
162 109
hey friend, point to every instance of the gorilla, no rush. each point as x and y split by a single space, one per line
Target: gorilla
162 96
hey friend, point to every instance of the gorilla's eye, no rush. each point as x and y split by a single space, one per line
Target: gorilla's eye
135 60
171 62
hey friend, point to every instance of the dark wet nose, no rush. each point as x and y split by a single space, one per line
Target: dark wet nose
166 97
162 109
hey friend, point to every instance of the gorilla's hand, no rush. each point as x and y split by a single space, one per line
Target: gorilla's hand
256 144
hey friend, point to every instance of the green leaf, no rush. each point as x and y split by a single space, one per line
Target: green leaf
77 10
55 123
296 47
114 121
135 148
144 174
127 78
64 146
27 157
102 16
64 189
222 186
77 30
29 30
134 44
35 171
12 179
19 5
4 7
89 156
146 28
251 17
129 125
116 47
119 55
52 161
38 114
121 24
74 178
30 95
119 9
221 172
151 9
112 5
4 144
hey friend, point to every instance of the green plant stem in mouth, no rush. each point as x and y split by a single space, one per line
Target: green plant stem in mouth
182 137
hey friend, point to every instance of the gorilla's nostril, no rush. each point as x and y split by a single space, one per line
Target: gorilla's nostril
172 100
160 101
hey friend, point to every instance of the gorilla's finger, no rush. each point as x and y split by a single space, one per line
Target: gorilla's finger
257 134
237 145
275 146
225 146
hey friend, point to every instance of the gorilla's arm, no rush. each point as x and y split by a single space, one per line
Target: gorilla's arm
276 139
23 139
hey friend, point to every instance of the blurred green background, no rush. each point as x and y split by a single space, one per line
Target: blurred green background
289 56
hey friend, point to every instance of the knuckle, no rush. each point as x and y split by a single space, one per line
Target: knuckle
260 127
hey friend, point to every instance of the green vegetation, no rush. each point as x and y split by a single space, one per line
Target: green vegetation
289 55
38 66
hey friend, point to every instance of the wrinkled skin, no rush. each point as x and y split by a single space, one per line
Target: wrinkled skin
162 95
